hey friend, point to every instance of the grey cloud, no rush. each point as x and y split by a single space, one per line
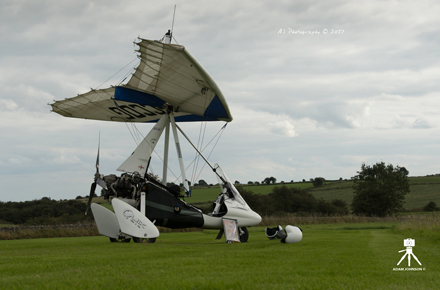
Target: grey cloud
335 93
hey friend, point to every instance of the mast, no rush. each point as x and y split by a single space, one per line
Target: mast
179 156
172 25
165 154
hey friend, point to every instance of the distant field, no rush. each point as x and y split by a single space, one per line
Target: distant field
210 194
336 256
424 179
423 190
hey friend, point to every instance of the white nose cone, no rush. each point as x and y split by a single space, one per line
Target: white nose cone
294 235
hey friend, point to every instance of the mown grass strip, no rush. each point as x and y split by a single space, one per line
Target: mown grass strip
328 257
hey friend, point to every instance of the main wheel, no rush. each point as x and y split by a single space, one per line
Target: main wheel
120 240
144 240
244 235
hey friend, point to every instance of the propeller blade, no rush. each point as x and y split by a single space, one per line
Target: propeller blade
97 178
92 193
97 158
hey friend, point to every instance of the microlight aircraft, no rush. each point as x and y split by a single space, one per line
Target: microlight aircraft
168 86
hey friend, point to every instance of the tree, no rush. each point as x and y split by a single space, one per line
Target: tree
379 190
404 171
269 180
431 206
318 181
202 183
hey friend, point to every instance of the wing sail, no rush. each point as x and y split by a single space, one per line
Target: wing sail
166 74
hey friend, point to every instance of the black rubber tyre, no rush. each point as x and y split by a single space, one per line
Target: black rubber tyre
120 240
144 241
244 235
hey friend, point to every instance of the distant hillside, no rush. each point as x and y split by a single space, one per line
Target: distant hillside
422 190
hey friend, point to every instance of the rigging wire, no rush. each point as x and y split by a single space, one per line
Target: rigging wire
212 150
117 73
177 178
131 133
199 143
138 133
197 157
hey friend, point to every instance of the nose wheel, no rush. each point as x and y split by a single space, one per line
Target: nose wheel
244 235
120 240
144 241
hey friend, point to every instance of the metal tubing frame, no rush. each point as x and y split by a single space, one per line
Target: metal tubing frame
165 158
179 156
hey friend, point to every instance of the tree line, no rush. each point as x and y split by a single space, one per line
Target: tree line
285 199
43 211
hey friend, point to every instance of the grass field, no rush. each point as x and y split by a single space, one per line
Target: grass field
332 256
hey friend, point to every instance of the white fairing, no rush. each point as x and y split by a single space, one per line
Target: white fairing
244 217
294 235
237 208
106 221
132 221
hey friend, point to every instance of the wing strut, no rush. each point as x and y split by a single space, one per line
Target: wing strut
165 154
179 156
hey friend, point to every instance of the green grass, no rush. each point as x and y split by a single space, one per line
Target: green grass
421 194
6 225
424 179
344 193
336 256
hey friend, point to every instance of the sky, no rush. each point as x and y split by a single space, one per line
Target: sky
316 88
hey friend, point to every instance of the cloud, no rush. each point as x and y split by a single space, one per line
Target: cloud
8 105
421 123
303 105
261 123
283 128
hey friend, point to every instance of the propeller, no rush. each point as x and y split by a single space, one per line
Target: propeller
97 179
